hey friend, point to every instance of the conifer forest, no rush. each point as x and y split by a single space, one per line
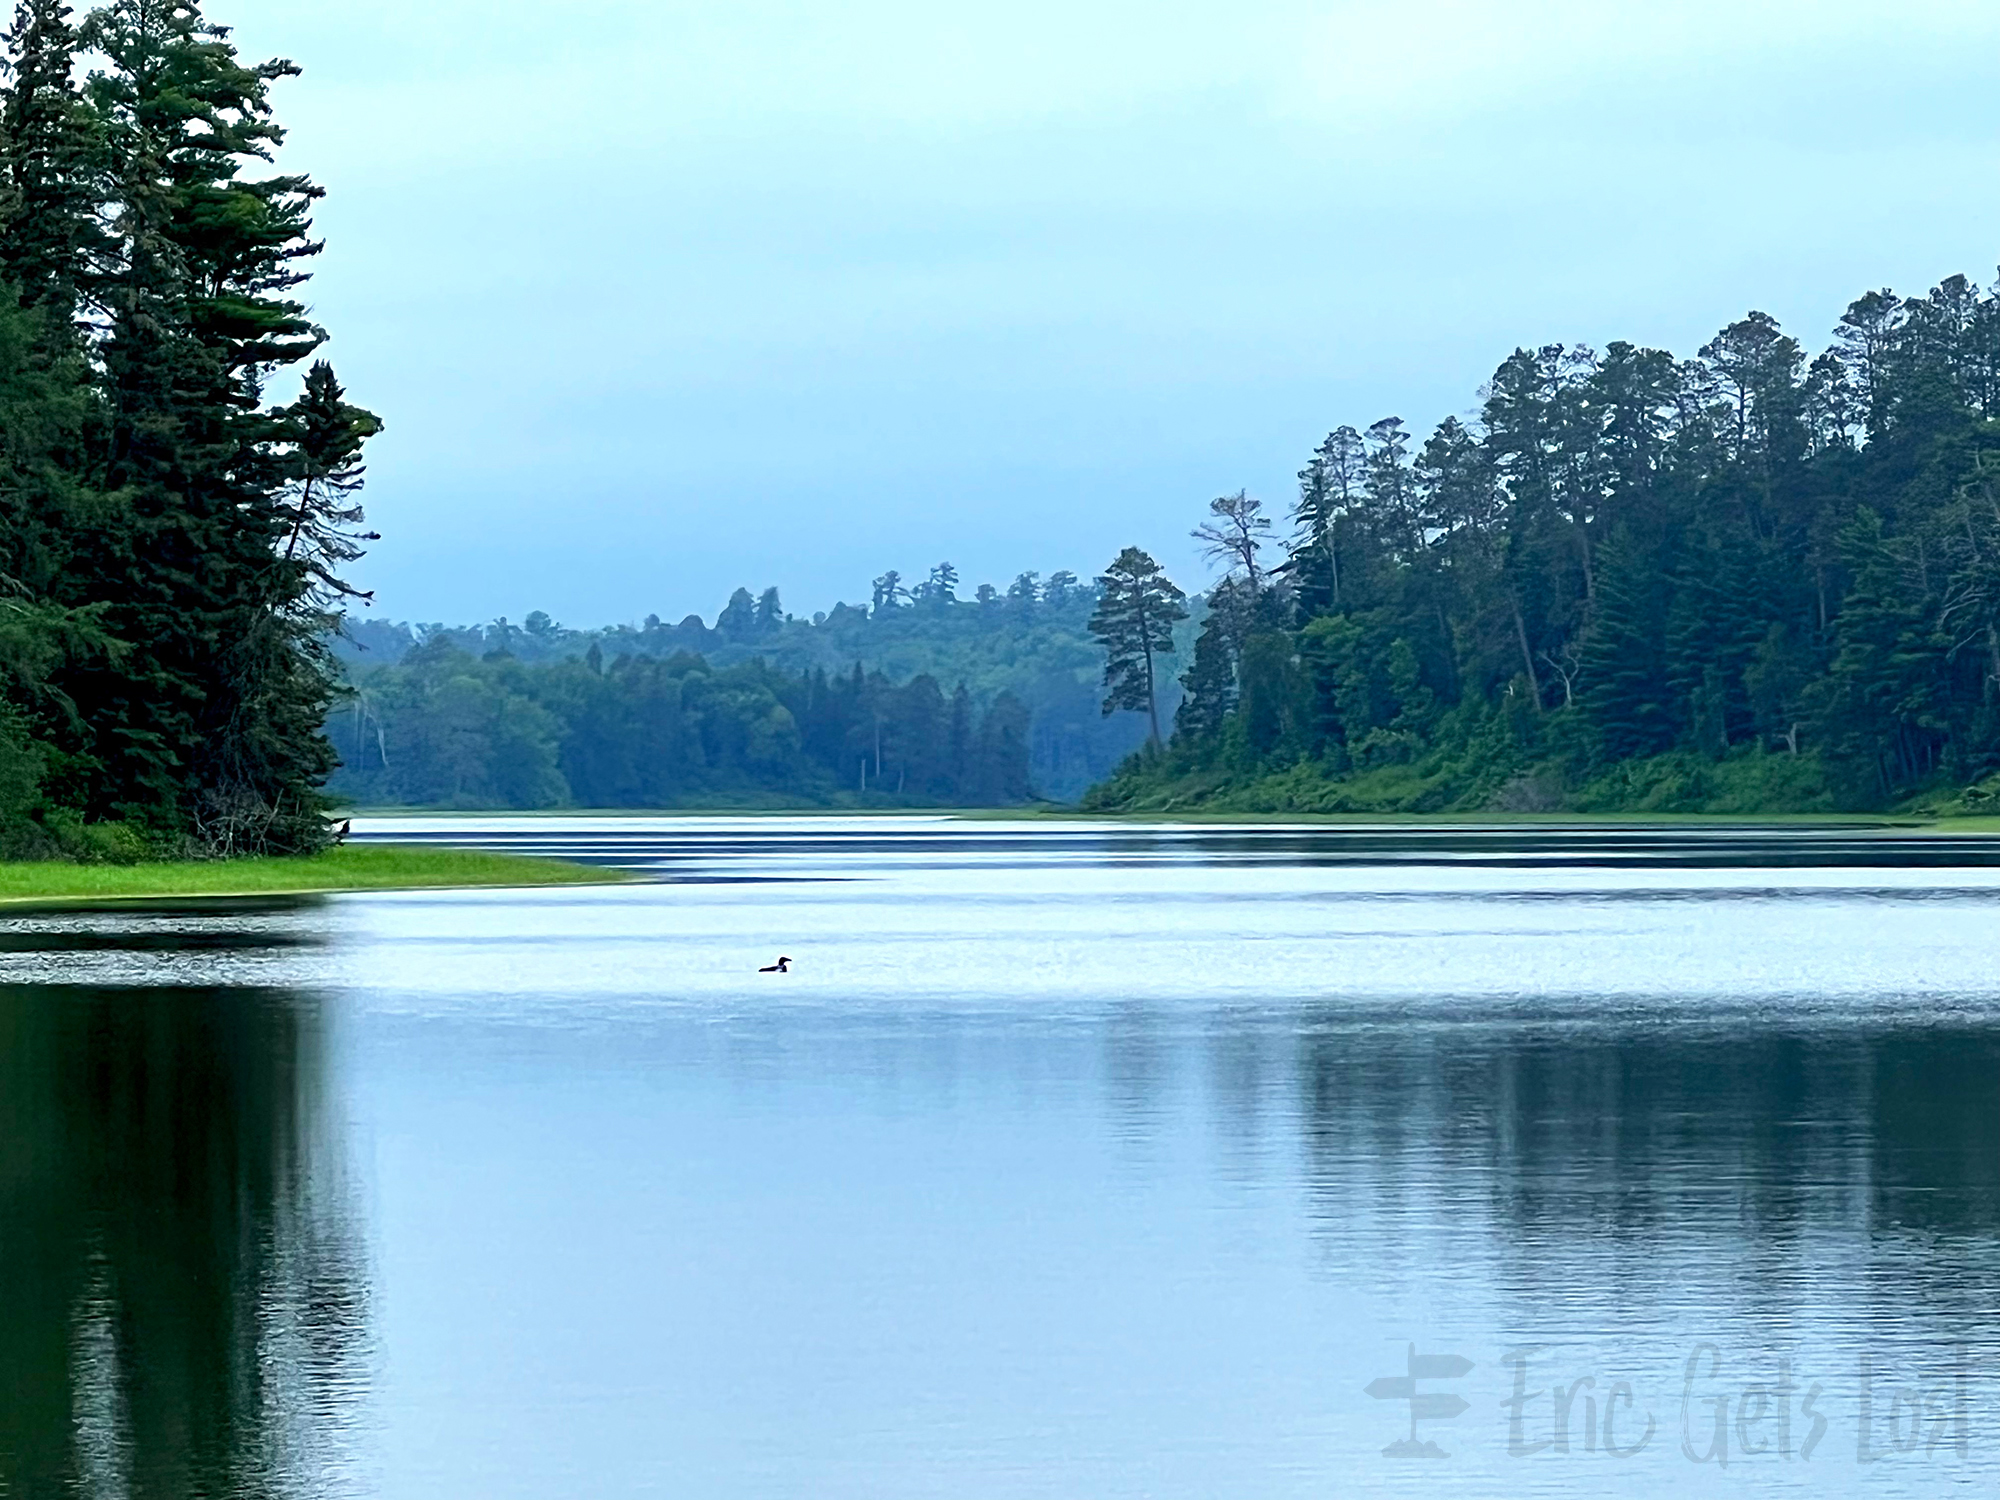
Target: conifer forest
1759 579
172 539
929 694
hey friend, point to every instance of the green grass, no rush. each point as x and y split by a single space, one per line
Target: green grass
352 867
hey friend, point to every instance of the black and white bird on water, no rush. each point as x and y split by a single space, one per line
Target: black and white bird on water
782 966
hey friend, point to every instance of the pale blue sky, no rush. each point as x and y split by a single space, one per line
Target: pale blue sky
659 298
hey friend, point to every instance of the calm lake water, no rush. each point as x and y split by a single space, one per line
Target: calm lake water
1068 1161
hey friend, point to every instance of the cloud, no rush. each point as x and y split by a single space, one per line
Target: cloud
1020 283
1695 69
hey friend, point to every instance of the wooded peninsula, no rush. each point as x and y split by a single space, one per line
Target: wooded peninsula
1756 580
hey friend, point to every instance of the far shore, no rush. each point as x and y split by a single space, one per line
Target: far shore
348 868
1905 823
377 863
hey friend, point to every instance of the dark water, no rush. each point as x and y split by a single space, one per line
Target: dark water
1069 1161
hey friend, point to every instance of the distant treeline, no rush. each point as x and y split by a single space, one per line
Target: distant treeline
1753 580
918 697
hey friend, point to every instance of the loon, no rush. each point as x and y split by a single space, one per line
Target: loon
782 966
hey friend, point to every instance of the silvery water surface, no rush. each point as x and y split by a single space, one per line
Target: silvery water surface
1070 1160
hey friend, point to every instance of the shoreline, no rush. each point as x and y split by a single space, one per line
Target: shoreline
346 870
1906 823
379 862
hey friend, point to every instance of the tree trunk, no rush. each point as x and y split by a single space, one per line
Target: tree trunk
1527 655
1152 699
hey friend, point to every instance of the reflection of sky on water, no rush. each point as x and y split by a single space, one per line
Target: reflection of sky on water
1057 1174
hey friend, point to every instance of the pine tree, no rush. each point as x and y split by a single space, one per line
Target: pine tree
319 517
1209 684
889 591
1236 532
51 190
942 586
1329 486
1881 708
770 613
282 671
46 411
1137 609
1623 687
56 171
201 307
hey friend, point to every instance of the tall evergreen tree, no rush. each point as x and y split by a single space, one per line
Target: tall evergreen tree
318 512
1137 609
770 613
56 183
207 726
1209 684
1626 697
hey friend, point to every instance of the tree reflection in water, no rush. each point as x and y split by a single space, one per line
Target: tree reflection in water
184 1286
1662 1166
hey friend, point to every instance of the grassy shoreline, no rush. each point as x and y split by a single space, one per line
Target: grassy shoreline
349 868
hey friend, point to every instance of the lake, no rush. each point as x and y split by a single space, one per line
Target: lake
1069 1160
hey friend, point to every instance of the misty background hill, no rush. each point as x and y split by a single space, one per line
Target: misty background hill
726 711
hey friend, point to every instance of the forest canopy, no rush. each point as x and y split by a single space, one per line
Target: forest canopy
171 539
918 697
1756 579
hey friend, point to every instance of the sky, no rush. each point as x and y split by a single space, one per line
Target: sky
658 299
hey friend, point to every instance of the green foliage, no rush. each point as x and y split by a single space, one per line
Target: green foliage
446 729
170 544
1138 607
1626 697
1031 644
1745 582
1209 683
